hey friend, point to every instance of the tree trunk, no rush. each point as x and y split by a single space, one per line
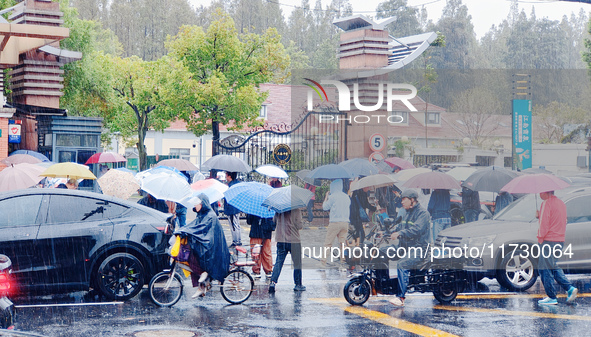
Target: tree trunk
215 128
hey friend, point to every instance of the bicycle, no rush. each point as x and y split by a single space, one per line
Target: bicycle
166 287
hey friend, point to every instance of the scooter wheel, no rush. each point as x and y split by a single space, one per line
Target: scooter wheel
357 291
7 318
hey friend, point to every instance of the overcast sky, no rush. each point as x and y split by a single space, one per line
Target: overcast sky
484 12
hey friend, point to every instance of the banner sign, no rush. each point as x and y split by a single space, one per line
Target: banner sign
522 134
14 131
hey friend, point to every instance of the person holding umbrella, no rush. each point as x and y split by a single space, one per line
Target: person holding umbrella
287 236
470 204
149 201
552 218
338 203
233 212
438 207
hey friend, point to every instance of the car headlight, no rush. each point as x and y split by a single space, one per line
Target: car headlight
478 241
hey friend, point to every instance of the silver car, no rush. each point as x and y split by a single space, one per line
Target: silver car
506 247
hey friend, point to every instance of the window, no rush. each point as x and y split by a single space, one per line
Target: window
578 210
433 118
20 211
77 140
485 160
66 208
263 111
403 114
180 152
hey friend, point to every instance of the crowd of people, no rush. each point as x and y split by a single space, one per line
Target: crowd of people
415 226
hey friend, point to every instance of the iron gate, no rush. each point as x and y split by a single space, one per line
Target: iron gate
311 141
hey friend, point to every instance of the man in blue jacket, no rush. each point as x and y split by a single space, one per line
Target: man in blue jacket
412 232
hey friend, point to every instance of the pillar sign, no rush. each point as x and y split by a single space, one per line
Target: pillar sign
377 142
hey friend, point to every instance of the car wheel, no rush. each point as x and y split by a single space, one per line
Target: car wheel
517 273
120 276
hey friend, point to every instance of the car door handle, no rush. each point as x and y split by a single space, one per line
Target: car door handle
23 235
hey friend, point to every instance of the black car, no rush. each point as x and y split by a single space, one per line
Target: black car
63 240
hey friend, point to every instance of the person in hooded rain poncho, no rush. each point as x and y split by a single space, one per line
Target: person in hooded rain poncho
208 244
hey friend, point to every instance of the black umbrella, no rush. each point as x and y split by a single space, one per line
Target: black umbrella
225 162
491 179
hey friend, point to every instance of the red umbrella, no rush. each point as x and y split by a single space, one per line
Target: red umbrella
403 164
535 183
433 180
105 157
19 159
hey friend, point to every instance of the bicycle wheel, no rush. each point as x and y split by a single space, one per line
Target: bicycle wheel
166 289
237 286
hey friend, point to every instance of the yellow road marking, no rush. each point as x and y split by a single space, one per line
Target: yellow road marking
501 296
385 319
512 313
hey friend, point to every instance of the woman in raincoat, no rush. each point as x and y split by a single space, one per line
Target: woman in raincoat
208 245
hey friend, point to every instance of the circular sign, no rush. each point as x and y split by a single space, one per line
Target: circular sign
282 154
377 142
376 157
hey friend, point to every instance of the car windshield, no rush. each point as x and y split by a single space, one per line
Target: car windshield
523 209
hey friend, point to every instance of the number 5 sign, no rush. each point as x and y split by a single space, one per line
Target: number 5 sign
377 142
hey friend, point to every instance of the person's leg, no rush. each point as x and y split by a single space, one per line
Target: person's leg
342 237
403 276
256 269
546 276
296 258
439 225
267 256
331 234
310 210
235 228
557 272
281 254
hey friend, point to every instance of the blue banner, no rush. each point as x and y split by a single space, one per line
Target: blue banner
522 134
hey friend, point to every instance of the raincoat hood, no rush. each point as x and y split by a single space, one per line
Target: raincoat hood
208 241
336 186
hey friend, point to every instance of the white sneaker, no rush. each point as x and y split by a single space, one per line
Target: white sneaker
200 292
203 277
397 301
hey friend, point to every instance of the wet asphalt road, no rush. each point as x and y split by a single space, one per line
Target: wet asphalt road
484 310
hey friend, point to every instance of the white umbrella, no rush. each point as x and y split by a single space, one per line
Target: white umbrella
272 171
461 173
166 185
404 175
377 180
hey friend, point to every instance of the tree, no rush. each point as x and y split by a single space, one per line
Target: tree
407 18
145 96
551 120
478 109
226 68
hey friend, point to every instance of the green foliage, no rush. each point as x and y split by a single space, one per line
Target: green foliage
407 18
226 68
552 118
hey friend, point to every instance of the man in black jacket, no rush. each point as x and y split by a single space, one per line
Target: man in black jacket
413 234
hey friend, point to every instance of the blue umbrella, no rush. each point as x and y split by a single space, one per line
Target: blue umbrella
286 198
125 169
35 154
159 169
248 197
360 167
331 171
